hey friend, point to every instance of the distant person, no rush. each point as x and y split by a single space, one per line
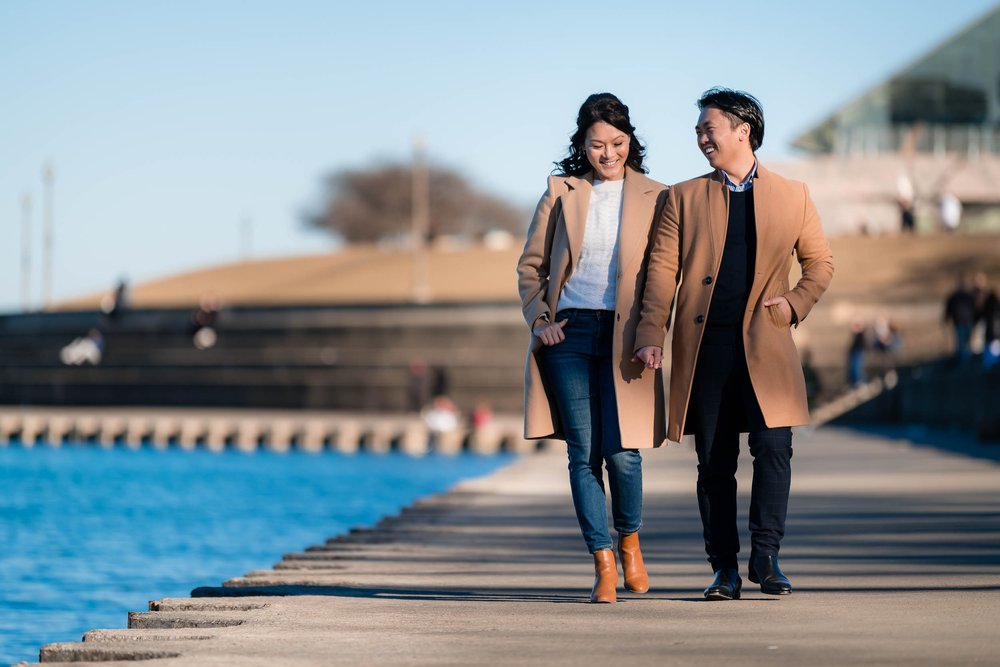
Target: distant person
441 385
114 304
907 219
905 198
960 313
418 388
949 211
856 354
87 349
441 417
484 432
887 340
581 279
203 322
481 416
814 385
734 367
987 314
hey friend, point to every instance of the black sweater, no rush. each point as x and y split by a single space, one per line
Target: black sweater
732 288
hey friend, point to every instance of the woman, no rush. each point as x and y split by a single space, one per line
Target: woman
581 277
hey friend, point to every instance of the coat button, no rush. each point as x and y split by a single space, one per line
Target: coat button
707 280
699 319
618 317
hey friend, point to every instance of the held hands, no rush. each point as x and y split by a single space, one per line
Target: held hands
781 303
651 356
550 333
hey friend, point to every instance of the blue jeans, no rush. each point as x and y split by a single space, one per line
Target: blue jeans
963 336
856 368
580 374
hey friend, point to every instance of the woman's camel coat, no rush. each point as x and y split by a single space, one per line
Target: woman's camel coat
550 255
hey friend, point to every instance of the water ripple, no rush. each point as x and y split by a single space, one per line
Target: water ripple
90 534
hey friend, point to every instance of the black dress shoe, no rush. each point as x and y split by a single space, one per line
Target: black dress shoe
726 585
764 570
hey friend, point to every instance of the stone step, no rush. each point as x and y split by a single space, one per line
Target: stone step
184 619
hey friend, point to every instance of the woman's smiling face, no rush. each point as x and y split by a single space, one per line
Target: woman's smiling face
607 150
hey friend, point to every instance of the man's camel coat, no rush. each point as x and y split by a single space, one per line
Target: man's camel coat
687 252
550 254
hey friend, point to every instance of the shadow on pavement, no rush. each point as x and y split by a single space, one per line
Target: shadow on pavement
953 442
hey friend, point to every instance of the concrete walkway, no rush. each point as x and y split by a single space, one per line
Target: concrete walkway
894 550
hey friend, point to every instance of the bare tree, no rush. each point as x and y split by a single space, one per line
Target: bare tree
376 203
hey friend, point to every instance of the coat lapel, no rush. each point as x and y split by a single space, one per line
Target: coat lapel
575 203
762 202
718 215
638 204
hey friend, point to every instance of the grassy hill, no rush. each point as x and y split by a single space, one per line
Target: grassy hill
871 272
359 274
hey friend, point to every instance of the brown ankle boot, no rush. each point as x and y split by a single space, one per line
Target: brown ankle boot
605 577
636 579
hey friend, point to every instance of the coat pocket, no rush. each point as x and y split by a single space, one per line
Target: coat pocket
774 313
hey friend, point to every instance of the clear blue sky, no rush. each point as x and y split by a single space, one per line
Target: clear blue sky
170 122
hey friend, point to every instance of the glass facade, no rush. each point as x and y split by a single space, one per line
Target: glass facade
946 102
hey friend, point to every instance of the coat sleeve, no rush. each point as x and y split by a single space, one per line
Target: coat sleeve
813 253
662 276
533 266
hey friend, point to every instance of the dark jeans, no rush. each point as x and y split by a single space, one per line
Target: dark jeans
963 338
580 373
856 368
722 406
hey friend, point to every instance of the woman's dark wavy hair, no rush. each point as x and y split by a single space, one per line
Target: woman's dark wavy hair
600 107
740 107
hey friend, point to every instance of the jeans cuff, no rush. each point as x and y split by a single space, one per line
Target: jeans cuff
629 530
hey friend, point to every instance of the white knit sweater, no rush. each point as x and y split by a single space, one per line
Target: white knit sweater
594 281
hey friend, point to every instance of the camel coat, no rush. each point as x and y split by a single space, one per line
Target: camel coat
550 254
687 252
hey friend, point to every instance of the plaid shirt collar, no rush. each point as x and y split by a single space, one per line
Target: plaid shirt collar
747 182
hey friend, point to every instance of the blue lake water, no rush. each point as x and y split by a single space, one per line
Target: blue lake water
89 534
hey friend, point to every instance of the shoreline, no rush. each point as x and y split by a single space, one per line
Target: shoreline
99 527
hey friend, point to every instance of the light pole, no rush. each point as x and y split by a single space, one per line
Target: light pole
48 178
246 238
420 222
26 252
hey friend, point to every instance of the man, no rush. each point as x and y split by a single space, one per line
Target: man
987 312
960 312
724 243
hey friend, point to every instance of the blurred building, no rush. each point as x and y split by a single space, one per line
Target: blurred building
927 138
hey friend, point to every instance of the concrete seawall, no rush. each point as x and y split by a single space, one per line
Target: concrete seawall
355 358
252 430
894 550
